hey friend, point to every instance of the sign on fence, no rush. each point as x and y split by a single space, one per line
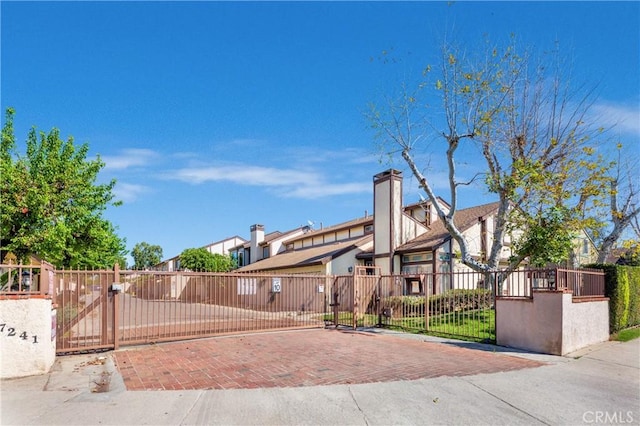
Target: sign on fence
276 285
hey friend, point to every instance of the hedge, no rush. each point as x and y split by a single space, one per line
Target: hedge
622 287
451 301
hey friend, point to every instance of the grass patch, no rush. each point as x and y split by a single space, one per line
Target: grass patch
478 325
475 325
627 334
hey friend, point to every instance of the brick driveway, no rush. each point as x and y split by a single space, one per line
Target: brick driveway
301 358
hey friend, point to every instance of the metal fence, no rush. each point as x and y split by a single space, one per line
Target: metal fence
104 309
457 304
86 310
25 280
168 306
454 304
581 282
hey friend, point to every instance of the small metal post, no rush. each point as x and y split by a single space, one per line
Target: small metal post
336 309
426 302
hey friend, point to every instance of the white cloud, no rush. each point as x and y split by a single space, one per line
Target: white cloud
129 192
129 158
242 174
327 190
623 118
314 155
285 182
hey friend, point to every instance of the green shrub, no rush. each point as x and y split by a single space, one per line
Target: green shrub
633 272
450 301
622 287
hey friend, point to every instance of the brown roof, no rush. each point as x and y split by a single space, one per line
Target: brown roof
615 256
334 228
268 237
272 236
316 255
423 202
438 234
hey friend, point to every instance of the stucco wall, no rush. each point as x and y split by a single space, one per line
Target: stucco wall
472 235
551 322
585 323
28 337
531 324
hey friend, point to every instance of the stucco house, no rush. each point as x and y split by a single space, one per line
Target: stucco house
223 247
263 246
326 251
397 239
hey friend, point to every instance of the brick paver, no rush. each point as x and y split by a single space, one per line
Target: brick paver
301 358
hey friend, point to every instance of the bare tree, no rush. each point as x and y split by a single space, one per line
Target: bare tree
529 126
623 208
635 226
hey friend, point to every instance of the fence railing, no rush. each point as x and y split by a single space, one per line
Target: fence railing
454 304
581 282
102 309
26 280
158 306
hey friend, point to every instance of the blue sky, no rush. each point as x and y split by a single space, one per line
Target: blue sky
214 116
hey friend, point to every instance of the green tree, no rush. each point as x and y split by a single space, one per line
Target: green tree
200 260
51 205
536 148
546 241
146 255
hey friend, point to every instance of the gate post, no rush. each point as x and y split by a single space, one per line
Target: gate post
378 301
104 308
116 325
423 278
356 301
335 305
494 296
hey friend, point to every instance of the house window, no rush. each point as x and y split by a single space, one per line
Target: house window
240 258
585 247
417 257
265 252
416 269
368 229
417 263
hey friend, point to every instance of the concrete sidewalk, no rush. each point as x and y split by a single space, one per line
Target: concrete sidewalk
598 385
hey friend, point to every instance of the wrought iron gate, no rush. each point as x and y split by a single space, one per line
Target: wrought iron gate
104 309
457 305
